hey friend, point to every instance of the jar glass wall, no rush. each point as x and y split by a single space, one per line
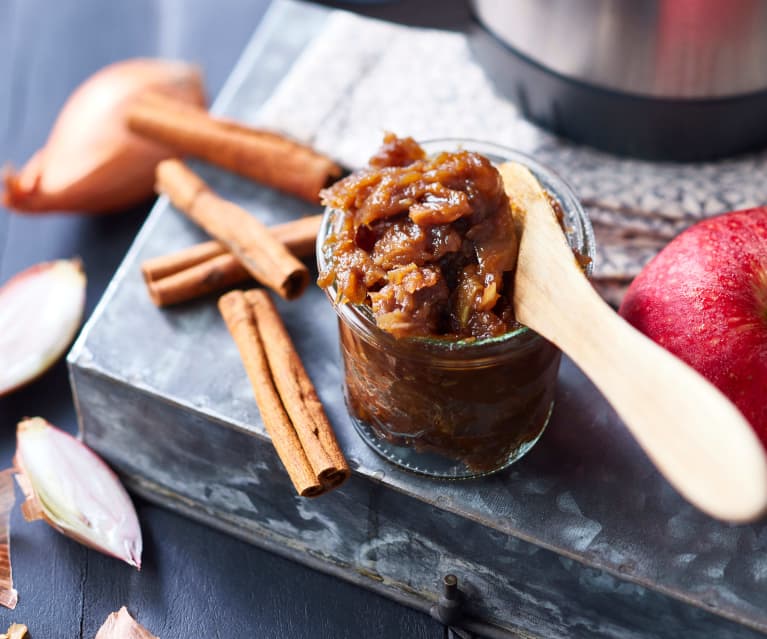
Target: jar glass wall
452 408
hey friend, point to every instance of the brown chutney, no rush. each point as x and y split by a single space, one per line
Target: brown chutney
418 256
429 243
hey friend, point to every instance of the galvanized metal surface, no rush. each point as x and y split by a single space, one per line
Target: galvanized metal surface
366 533
582 538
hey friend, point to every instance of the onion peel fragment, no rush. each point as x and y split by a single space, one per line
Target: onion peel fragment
8 595
70 488
30 507
41 309
15 631
92 162
120 625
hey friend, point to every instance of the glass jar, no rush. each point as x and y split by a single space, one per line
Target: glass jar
453 408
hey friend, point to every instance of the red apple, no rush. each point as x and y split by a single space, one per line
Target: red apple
704 298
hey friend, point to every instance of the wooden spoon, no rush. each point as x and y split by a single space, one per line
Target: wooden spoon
693 434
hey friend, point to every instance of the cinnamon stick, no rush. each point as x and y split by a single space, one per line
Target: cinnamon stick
312 468
206 267
259 252
264 156
156 268
200 279
239 320
298 394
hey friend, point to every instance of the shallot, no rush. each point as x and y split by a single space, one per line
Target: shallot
40 311
68 486
91 161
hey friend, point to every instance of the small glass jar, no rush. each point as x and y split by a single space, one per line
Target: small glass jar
453 408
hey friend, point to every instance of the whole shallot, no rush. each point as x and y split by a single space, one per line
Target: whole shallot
91 162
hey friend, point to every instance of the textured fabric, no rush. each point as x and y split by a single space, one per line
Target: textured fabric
361 77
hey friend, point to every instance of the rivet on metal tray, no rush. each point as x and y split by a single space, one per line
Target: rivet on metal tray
448 608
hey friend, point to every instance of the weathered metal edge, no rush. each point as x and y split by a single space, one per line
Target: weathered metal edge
167 499
747 623
370 487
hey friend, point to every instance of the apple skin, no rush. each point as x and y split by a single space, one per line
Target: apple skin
704 298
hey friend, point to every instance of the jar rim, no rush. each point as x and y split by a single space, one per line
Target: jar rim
580 237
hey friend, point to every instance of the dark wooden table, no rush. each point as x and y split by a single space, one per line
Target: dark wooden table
195 582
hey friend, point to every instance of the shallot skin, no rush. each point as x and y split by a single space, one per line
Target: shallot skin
92 162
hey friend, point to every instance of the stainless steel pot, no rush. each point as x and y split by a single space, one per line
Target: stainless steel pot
662 48
663 79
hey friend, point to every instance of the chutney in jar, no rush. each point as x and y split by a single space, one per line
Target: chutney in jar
417 252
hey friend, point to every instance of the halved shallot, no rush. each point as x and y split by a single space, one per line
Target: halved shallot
68 486
40 311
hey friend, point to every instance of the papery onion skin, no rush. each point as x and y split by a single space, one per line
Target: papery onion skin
91 162
15 631
120 625
8 595
75 492
28 345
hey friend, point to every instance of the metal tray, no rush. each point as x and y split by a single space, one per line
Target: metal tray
581 539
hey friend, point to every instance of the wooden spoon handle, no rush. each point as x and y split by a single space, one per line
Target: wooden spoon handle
694 435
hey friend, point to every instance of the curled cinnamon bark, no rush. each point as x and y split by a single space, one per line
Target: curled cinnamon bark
290 409
209 266
238 316
298 394
259 252
156 268
211 275
264 156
